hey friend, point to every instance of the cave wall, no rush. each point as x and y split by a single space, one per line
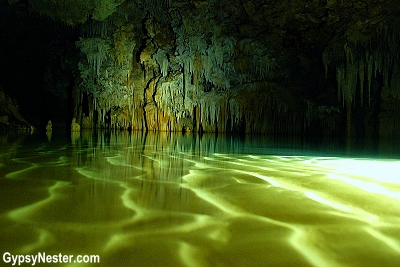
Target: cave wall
174 66
277 67
10 115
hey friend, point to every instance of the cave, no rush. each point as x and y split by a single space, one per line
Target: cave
314 68
175 127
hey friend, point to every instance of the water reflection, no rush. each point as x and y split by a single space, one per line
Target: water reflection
174 200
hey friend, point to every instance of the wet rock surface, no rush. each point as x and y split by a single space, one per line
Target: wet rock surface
10 117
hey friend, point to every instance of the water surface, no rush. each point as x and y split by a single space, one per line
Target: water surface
173 200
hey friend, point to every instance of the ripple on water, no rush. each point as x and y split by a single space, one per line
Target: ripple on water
170 207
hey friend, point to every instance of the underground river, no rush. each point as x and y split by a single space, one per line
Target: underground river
176 200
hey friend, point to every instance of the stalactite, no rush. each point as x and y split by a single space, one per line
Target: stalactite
236 111
100 29
198 66
369 68
363 62
96 51
361 73
253 58
199 75
162 60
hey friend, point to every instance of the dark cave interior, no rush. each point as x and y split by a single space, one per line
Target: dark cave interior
270 67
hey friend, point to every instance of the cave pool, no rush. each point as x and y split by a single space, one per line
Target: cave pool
182 200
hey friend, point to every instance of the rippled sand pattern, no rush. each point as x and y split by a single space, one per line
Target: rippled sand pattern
162 201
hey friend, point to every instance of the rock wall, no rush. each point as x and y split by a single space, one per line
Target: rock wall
176 66
10 117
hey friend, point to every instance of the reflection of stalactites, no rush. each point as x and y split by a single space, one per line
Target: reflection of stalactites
49 126
49 134
75 135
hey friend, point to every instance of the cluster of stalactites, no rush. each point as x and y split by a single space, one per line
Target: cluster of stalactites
251 108
94 28
358 64
252 60
150 4
96 51
195 85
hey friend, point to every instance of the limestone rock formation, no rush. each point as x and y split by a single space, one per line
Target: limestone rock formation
10 116
278 67
181 69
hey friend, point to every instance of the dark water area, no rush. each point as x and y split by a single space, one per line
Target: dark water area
130 199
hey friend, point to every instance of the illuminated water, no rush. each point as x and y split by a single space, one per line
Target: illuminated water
160 200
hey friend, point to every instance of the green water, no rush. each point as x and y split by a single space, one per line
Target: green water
174 200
